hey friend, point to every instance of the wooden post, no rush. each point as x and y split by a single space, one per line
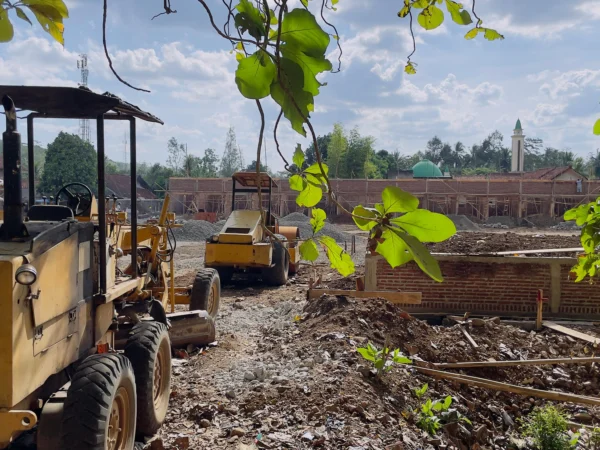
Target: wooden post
540 307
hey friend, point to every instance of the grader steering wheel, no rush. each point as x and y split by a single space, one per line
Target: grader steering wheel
76 196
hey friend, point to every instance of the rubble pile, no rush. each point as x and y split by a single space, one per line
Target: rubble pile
480 242
303 385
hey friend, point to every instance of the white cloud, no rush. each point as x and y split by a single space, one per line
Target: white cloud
570 83
372 47
549 30
591 9
546 114
450 90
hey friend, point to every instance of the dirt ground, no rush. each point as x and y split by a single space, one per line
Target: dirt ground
285 374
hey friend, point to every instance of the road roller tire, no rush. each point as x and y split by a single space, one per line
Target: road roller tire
278 274
100 409
149 350
206 292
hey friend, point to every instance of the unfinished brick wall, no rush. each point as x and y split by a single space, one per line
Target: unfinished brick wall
490 285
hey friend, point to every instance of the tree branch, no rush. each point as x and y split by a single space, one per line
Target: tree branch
287 164
110 64
323 3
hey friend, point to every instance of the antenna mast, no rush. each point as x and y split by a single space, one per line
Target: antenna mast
84 124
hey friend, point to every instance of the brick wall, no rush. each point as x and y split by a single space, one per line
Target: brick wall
490 285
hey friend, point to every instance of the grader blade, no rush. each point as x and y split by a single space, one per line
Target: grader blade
191 327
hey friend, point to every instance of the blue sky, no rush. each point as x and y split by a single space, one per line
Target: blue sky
546 72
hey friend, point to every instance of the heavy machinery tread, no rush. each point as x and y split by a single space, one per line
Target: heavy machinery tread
89 400
203 282
143 345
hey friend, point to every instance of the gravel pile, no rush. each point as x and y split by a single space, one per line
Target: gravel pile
566 226
293 218
301 221
463 223
196 230
494 225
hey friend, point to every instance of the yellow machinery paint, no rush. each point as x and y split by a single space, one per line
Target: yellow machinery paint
65 292
247 242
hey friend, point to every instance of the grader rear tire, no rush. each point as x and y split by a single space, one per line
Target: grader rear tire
206 292
100 409
278 274
149 350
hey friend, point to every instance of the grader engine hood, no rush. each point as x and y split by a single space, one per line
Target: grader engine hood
41 323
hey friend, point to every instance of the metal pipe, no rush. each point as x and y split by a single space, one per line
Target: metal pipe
13 201
30 158
233 196
101 203
133 174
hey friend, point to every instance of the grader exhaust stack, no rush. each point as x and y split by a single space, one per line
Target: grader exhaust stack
13 202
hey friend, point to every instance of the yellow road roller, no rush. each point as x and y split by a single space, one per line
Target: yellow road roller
245 245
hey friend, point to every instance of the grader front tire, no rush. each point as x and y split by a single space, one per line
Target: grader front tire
100 409
149 350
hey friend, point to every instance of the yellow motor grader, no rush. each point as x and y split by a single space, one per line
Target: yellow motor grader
244 245
85 339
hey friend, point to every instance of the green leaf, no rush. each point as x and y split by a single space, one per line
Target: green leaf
401 359
316 170
311 66
254 75
380 208
395 200
571 214
298 157
404 12
310 196
431 17
423 258
426 226
364 224
447 402
588 238
472 33
305 3
492 35
50 15
420 4
58 7
6 28
393 249
597 127
250 19
292 77
21 15
410 68
297 183
309 250
365 353
420 392
300 29
318 220
459 15
273 16
305 43
339 259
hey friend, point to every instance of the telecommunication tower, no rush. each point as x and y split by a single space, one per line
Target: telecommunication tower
84 124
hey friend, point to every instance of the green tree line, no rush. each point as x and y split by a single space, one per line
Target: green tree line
351 155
